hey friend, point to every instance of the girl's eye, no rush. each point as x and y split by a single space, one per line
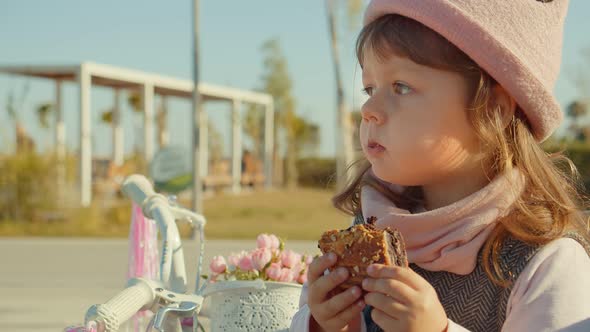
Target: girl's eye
368 91
401 88
398 88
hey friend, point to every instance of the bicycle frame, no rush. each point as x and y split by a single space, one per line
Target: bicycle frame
168 295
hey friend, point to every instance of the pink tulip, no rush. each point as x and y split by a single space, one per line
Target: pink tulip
261 257
245 263
286 275
233 260
218 265
290 258
302 277
301 269
275 243
273 272
263 241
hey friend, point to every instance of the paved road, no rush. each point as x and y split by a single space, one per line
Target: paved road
48 283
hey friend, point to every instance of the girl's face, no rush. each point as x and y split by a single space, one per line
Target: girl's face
414 129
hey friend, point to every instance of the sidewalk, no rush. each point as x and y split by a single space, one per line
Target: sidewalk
49 283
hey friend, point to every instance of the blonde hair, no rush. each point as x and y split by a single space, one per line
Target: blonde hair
551 203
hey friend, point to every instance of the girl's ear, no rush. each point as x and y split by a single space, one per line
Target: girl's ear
505 103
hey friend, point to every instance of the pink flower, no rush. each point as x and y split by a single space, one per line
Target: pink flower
290 258
302 277
218 265
286 275
233 260
263 241
268 241
261 257
275 243
299 268
273 272
245 263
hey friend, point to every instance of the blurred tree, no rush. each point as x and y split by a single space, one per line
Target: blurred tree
44 110
344 129
106 116
577 111
307 137
136 104
216 144
162 122
253 125
277 82
134 101
14 108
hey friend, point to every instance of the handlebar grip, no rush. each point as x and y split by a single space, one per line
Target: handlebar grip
138 188
122 306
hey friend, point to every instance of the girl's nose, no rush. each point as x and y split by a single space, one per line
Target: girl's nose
372 113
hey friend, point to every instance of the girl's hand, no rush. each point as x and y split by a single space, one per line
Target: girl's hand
403 301
329 311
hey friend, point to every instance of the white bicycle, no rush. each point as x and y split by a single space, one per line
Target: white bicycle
167 297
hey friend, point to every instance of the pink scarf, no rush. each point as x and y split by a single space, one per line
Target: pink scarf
448 238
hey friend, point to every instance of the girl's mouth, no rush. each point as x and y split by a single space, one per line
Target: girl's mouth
374 148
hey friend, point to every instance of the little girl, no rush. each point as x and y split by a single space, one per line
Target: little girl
460 96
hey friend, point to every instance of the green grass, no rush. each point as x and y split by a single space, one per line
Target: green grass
301 214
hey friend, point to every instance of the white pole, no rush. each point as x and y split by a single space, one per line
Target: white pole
85 137
204 152
165 139
197 146
60 136
148 122
117 130
236 146
268 143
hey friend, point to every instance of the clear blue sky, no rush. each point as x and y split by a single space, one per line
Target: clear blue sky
155 36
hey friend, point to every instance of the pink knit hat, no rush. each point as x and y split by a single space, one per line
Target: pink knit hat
518 42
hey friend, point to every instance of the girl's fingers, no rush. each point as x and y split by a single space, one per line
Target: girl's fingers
388 305
349 314
384 321
390 287
318 291
405 275
332 307
318 266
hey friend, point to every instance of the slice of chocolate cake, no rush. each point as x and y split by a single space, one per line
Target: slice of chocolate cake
362 245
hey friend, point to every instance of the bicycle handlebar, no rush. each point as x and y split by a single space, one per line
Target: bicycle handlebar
108 316
138 188
141 294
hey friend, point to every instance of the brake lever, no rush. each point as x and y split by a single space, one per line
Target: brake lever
184 309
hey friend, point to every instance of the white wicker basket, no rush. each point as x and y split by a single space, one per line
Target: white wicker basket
250 306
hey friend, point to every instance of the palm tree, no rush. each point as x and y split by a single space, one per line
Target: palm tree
277 83
253 123
43 112
307 136
136 104
24 143
344 129
162 123
577 111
